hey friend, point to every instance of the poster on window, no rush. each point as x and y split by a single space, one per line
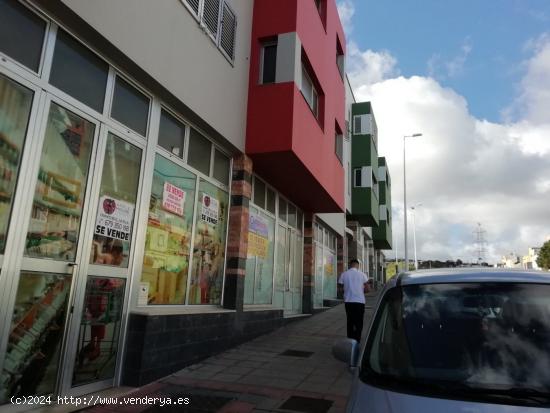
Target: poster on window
114 218
173 199
210 209
258 237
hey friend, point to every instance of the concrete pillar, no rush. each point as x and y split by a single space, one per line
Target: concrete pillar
309 264
237 240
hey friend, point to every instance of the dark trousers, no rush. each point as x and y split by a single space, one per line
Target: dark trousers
355 313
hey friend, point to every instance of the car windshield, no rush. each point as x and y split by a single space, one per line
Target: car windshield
488 337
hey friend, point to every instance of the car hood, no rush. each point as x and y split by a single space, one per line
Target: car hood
374 400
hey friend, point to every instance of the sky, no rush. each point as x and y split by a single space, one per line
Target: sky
474 78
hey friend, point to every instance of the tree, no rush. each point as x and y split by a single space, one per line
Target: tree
543 261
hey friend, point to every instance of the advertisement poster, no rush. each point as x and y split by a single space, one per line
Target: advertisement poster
114 218
258 237
210 209
173 199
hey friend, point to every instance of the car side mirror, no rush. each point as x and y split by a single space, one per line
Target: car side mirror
346 350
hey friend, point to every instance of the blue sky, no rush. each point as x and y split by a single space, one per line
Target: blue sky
474 77
473 46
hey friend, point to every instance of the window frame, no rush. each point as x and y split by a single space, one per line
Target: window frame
263 45
314 105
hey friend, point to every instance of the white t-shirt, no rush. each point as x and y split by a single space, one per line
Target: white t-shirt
353 281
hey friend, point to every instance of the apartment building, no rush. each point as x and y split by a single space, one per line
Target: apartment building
163 166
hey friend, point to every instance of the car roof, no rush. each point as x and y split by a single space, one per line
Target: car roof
475 274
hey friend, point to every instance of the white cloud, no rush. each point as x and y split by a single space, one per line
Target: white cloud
346 10
464 170
441 69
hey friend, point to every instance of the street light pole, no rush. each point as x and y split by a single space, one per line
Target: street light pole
413 208
414 135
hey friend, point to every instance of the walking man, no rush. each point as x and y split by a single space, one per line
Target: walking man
354 283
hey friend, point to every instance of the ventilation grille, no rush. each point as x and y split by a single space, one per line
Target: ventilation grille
228 31
194 4
211 16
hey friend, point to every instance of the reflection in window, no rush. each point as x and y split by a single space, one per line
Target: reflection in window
209 246
32 357
221 167
259 192
169 228
260 260
130 106
79 72
199 152
117 203
15 107
99 330
171 134
60 187
21 33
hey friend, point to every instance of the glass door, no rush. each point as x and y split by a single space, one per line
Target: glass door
51 252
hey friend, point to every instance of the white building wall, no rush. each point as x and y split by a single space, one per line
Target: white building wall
165 40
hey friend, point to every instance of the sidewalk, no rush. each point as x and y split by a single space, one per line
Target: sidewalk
289 370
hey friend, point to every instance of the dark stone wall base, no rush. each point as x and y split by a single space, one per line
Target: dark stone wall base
159 345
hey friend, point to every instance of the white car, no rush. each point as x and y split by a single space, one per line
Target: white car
457 340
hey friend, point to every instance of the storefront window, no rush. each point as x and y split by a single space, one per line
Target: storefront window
329 280
169 227
130 106
171 134
209 245
199 152
99 330
15 107
259 264
117 202
221 167
32 356
59 194
21 33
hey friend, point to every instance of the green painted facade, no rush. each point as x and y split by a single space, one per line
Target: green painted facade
364 158
382 233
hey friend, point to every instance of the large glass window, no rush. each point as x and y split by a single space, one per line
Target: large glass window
260 259
209 245
171 134
130 106
34 345
221 167
60 187
21 33
79 72
169 228
117 203
259 192
199 152
15 107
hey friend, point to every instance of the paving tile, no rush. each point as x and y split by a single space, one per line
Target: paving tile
227 377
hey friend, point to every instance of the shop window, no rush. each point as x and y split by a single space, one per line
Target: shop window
21 33
282 209
60 187
77 71
221 167
292 219
268 62
258 287
270 201
199 152
168 239
130 107
171 134
211 16
209 245
228 32
117 203
15 109
259 192
340 60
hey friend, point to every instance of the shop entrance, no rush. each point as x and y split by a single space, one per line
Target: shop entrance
69 266
288 274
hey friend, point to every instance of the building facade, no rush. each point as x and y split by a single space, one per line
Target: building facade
164 167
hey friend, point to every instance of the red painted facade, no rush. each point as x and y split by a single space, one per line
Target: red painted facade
291 149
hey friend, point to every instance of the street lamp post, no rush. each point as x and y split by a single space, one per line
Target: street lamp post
413 208
414 135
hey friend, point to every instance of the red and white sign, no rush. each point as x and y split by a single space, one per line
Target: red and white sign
173 199
210 209
114 218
